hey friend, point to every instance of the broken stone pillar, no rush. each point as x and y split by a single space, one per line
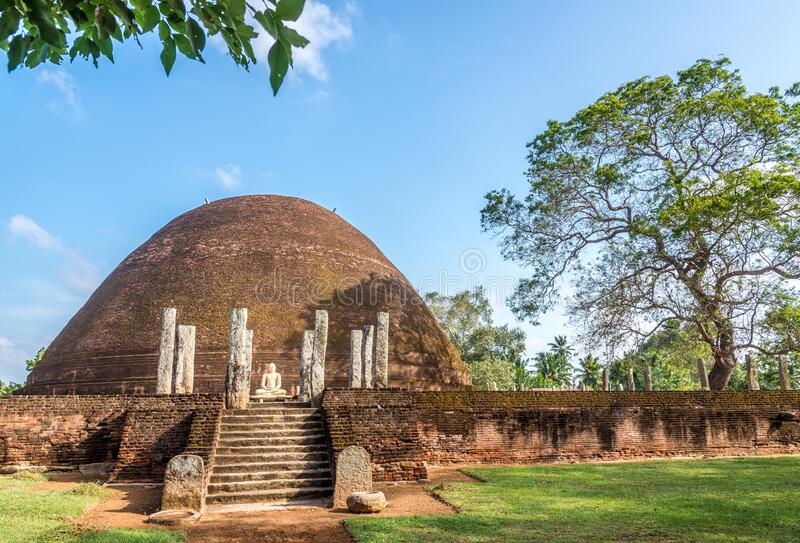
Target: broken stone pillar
353 474
631 380
318 356
752 373
583 386
701 370
306 362
605 380
648 379
166 352
783 373
184 359
367 347
237 380
356 371
382 351
620 387
184 484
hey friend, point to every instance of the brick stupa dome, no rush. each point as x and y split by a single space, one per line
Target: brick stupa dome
280 257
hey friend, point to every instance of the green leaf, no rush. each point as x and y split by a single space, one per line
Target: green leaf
141 5
292 37
9 23
47 31
267 20
106 47
178 8
278 65
289 10
236 10
196 35
168 56
17 50
123 11
164 33
246 32
184 45
150 18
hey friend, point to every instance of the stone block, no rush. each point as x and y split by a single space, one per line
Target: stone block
366 502
183 484
353 474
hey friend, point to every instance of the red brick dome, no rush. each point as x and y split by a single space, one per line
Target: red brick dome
280 257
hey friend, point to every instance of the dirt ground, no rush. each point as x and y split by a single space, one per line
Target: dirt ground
128 507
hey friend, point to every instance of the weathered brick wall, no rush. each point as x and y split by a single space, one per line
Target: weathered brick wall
404 429
140 433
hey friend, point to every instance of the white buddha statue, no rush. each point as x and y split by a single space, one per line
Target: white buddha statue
270 383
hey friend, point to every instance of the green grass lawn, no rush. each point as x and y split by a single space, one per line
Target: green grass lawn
43 516
745 500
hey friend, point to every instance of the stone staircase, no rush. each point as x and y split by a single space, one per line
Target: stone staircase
271 453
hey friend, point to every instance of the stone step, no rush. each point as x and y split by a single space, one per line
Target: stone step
260 401
261 449
224 459
272 425
253 440
256 418
321 473
272 410
270 484
244 431
269 466
268 496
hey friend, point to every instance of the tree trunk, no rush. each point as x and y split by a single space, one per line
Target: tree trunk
724 357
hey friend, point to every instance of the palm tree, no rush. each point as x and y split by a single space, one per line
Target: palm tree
553 367
561 347
589 371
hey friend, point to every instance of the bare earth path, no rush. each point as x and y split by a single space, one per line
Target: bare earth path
128 507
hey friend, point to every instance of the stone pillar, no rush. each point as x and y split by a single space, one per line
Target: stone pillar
783 373
605 380
620 387
701 370
648 378
166 352
583 386
367 347
382 351
306 361
318 356
237 380
752 374
631 381
184 359
356 371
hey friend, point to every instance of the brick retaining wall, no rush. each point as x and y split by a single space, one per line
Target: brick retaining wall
139 433
404 430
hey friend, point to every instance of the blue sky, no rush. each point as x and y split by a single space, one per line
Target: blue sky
401 115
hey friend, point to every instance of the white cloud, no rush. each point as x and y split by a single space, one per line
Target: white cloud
79 274
229 176
65 85
6 343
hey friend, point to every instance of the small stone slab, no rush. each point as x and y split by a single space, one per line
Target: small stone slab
366 502
353 474
183 484
173 517
97 468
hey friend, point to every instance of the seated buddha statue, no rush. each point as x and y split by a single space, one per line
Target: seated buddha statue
270 383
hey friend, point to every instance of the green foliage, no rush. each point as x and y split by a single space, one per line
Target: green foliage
493 354
669 199
590 372
30 364
8 389
677 501
553 368
36 31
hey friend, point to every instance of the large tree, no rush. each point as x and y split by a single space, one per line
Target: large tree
37 31
669 199
491 353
